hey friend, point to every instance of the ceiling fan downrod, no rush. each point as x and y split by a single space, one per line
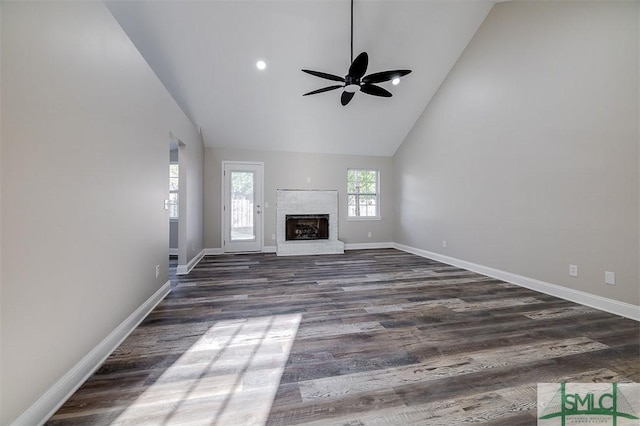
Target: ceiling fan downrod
351 32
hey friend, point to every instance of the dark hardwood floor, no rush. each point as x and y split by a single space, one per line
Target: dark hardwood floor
372 337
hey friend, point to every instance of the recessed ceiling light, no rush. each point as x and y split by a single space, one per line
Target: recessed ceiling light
261 64
395 81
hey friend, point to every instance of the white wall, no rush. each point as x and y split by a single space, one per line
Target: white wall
289 170
527 158
85 130
173 234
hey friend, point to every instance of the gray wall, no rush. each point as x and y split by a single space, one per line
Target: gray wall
527 158
173 234
85 130
289 170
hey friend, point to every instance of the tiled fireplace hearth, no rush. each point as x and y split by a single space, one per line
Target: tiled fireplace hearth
307 222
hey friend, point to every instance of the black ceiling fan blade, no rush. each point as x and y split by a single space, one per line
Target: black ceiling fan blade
372 89
324 89
379 77
325 75
359 66
346 97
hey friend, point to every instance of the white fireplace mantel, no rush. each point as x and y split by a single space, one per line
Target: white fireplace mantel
295 201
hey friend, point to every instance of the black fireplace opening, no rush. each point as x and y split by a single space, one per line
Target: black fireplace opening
307 227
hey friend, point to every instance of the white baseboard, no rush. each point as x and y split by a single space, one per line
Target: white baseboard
604 304
185 269
269 249
52 399
367 246
173 252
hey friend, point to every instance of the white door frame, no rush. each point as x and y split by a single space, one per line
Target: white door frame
259 198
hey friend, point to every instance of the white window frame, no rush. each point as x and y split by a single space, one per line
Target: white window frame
177 192
377 194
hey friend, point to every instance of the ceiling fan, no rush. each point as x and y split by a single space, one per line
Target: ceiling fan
355 79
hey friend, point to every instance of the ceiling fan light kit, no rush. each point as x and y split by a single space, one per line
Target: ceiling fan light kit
355 80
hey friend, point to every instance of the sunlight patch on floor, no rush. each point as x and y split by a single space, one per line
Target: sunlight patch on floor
230 375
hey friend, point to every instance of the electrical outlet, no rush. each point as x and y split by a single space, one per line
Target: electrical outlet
369 234
157 271
444 244
573 270
609 278
308 179
273 237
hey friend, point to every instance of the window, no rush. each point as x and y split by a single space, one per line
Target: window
362 193
174 174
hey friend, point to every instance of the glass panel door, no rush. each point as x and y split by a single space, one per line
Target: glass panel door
242 207
242 203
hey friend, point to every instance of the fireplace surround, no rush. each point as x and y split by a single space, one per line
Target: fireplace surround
307 222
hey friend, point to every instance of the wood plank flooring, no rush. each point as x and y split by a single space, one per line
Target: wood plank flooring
371 337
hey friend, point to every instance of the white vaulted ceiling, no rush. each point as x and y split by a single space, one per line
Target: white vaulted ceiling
205 53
